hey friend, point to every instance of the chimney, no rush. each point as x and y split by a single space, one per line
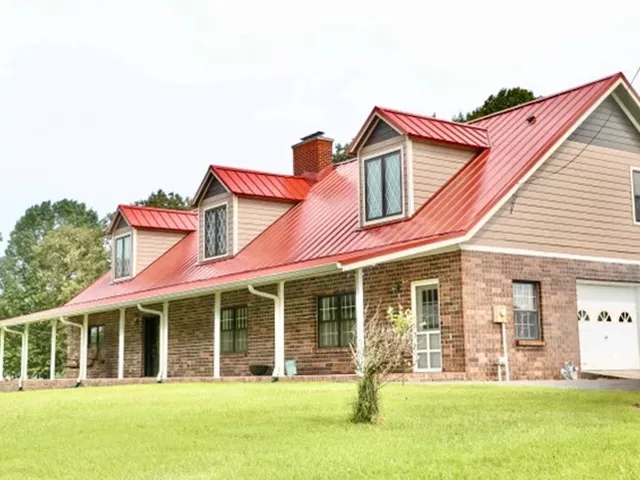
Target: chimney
312 154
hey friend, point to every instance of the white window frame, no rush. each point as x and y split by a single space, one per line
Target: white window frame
414 309
204 230
132 234
362 193
633 194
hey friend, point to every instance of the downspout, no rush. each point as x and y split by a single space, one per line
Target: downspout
278 367
83 334
160 339
25 339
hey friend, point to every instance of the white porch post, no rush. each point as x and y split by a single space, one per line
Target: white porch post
25 354
121 345
359 320
84 346
52 362
279 318
1 354
165 340
216 335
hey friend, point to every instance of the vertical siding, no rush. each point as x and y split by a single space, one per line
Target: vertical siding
150 245
433 165
254 216
380 132
579 202
208 202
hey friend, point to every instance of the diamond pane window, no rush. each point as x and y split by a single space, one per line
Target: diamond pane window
337 320
383 186
122 257
215 232
234 329
525 311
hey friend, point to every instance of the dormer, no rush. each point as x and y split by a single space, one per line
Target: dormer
236 205
140 235
404 159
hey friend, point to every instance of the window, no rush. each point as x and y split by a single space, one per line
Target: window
96 340
526 310
233 329
122 261
383 186
337 320
215 231
636 195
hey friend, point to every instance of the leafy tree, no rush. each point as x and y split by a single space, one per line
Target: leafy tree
340 152
55 250
160 199
505 98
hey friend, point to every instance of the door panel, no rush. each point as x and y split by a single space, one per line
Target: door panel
428 355
151 346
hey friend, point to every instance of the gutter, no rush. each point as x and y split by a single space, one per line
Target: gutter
161 338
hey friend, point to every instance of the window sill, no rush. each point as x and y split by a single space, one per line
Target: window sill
234 354
530 343
332 349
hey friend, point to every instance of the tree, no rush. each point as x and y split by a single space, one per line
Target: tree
340 152
160 199
49 236
505 98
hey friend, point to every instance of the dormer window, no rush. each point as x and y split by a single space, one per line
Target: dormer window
122 256
215 229
383 186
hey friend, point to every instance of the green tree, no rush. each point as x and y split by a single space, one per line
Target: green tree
160 199
505 98
340 152
43 267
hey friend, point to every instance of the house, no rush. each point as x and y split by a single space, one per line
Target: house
514 239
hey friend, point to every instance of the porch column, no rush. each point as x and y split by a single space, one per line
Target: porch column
1 354
84 346
25 354
121 345
165 340
279 340
52 362
216 335
359 320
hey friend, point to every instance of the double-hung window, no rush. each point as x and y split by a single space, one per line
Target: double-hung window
96 340
122 257
215 231
383 186
526 310
233 329
636 195
337 320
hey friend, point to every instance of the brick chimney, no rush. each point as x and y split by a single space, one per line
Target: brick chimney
312 154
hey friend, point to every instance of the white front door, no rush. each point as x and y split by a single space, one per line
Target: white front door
608 327
426 308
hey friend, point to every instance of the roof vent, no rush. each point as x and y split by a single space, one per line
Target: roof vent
531 119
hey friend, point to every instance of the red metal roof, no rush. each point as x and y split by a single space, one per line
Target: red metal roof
323 229
427 128
251 183
159 218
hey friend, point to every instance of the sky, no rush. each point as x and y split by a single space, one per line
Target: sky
106 101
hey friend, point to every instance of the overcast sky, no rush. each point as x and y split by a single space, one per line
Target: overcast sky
104 102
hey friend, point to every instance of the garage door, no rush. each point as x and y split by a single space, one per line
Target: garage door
608 327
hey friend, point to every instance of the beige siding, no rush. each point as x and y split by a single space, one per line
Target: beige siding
254 216
204 205
150 245
577 205
433 165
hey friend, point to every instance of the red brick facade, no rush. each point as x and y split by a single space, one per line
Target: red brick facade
470 284
312 156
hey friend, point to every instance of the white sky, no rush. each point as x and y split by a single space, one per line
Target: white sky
104 102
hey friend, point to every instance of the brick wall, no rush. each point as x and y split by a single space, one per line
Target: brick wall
312 156
487 281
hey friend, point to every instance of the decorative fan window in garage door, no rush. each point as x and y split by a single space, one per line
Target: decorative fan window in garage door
583 316
625 317
604 317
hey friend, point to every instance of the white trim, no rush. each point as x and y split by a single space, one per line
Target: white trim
607 283
2 335
204 185
84 347
633 195
367 131
121 327
114 238
411 207
165 340
537 253
414 309
216 335
204 230
234 232
52 361
362 192
360 338
429 249
278 330
624 108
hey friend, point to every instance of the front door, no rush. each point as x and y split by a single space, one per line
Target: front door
428 355
151 346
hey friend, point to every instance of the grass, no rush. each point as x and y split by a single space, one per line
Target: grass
301 431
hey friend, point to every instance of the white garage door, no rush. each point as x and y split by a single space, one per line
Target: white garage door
608 327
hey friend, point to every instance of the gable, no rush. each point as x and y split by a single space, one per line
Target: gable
214 188
610 127
380 132
121 224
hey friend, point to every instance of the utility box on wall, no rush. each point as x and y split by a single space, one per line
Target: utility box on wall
499 314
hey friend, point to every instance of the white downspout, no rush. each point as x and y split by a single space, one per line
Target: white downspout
23 353
360 340
160 339
121 345
278 303
1 354
83 334
52 364
505 352
165 362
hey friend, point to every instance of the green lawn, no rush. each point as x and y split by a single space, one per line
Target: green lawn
301 431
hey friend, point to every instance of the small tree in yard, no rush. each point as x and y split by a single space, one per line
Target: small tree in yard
388 343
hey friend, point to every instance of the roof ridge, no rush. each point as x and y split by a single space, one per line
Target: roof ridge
548 97
158 209
441 120
258 172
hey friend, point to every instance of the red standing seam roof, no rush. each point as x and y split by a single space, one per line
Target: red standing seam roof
324 229
159 218
250 183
